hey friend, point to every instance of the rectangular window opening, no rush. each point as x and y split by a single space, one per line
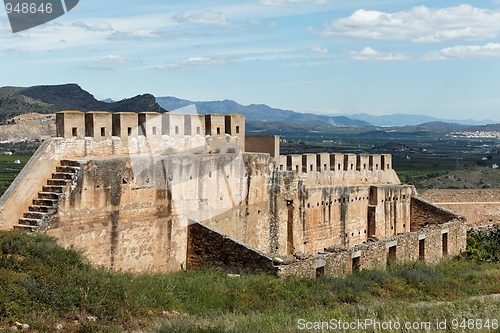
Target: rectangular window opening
218 130
237 130
421 250
198 130
320 271
103 131
355 265
391 256
129 131
445 243
74 131
176 129
154 130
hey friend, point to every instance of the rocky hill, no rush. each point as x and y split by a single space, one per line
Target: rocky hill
15 101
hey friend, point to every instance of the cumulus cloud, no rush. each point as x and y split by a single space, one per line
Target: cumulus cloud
115 59
420 24
465 51
369 54
14 50
100 26
291 2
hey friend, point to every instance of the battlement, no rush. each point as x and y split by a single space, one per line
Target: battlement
105 133
338 168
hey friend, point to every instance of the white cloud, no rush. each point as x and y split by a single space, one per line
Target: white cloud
115 59
183 66
420 24
205 61
369 54
207 17
291 2
465 51
95 68
318 49
210 17
100 26
14 50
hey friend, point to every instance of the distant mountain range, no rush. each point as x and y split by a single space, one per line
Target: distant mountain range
254 112
412 119
15 101
49 99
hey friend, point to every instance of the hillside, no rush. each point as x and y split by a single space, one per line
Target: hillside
50 289
15 101
471 177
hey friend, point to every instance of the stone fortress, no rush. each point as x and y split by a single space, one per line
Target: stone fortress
165 192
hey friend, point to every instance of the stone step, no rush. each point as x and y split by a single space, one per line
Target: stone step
45 202
63 175
48 195
58 182
34 215
70 163
67 169
53 189
41 209
25 227
30 222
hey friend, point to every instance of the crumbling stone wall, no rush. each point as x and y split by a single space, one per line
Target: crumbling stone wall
208 247
478 206
377 254
424 213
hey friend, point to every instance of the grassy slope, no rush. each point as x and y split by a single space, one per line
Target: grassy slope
44 285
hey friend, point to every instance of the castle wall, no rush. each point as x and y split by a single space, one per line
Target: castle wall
269 144
377 255
347 215
425 213
478 206
132 213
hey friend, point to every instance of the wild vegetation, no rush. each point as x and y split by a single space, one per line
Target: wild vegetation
44 286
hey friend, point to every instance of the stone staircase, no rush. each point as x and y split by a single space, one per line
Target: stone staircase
47 201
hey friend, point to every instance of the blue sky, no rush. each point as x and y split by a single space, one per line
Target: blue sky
438 58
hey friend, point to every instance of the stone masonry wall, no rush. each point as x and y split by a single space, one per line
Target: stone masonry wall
375 255
425 213
208 247
478 206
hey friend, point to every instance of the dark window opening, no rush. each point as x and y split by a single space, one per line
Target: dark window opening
154 130
176 129
391 256
218 130
129 131
445 243
74 131
320 271
103 131
421 249
237 129
355 265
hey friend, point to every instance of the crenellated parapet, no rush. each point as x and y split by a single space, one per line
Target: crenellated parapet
105 134
337 168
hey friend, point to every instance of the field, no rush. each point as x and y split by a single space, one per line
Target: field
9 170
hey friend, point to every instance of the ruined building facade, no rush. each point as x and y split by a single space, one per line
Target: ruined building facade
164 192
